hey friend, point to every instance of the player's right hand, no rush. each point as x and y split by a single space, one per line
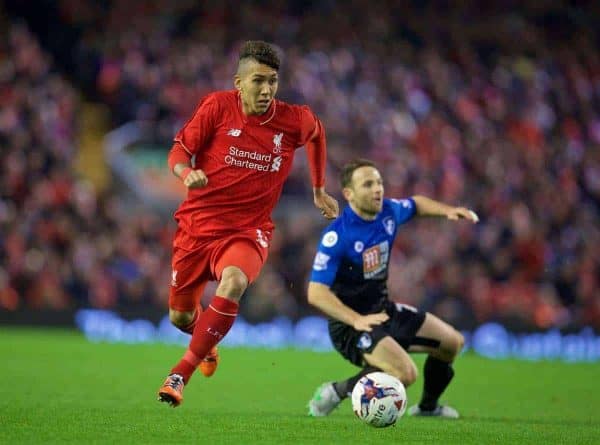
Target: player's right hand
195 179
366 322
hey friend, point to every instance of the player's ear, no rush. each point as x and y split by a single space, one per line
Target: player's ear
237 82
347 192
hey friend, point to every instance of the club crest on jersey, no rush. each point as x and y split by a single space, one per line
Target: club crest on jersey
364 341
174 278
359 246
235 132
389 225
277 143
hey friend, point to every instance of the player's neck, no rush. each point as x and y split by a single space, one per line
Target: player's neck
249 112
363 215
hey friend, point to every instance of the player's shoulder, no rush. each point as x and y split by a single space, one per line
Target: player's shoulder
333 233
402 203
292 110
225 98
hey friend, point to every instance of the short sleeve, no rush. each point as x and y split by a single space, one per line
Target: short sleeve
404 209
328 258
201 127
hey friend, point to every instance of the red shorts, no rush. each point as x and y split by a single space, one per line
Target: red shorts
196 261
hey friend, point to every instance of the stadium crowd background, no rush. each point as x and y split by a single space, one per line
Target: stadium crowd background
495 107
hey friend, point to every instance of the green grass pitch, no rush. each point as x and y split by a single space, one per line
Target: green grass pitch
58 388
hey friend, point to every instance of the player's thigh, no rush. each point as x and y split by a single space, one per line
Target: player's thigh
190 264
392 358
245 251
437 338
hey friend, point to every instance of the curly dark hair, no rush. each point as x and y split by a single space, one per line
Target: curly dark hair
260 51
351 167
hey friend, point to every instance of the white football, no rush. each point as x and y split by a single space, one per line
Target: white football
379 399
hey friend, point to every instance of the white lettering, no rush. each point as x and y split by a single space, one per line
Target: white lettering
234 151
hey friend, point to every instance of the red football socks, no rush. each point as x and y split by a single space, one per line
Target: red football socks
212 325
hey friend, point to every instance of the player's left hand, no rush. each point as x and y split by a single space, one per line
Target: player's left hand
462 213
326 203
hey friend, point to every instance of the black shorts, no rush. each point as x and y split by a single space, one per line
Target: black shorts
402 326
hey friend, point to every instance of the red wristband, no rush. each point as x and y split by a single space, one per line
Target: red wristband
186 171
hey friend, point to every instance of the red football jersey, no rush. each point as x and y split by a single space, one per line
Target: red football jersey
246 160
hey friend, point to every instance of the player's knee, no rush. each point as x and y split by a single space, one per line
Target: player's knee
461 342
407 374
410 374
456 344
233 283
180 319
452 346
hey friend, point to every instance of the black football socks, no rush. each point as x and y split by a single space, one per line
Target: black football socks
437 375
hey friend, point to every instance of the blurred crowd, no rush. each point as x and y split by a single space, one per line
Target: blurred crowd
506 122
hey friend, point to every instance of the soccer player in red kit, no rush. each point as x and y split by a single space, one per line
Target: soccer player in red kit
234 155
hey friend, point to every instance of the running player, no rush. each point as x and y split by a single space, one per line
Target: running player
234 155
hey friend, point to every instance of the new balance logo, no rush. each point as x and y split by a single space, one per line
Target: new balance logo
234 132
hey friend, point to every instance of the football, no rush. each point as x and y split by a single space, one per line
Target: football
379 399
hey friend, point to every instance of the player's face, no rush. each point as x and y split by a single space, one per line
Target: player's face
257 84
365 194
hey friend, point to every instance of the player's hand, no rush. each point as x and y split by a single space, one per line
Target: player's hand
326 203
366 322
195 179
463 213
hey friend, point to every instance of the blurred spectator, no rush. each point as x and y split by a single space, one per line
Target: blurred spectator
507 122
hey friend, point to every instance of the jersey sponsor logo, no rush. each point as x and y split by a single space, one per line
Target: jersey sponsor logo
330 239
174 278
276 165
375 260
364 341
249 159
235 132
277 142
261 239
321 260
359 246
389 224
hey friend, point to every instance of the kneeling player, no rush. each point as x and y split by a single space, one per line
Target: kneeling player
349 284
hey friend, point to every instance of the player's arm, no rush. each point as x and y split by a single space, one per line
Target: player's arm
430 207
313 138
194 136
180 164
321 296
